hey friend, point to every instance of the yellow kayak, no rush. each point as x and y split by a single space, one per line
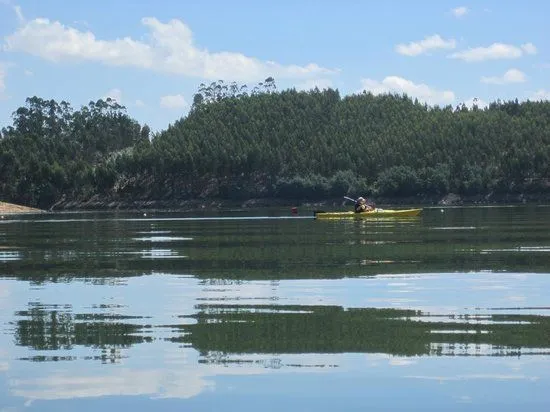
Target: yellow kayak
376 213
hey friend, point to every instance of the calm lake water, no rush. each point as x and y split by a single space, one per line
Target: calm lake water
265 311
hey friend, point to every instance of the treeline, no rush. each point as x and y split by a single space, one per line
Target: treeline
239 144
53 151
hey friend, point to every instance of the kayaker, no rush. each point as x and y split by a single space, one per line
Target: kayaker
361 206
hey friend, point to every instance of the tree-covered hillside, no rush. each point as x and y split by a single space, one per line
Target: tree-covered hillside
52 151
238 144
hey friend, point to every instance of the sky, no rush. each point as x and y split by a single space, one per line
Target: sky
151 56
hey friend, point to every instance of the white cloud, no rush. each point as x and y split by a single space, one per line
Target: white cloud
173 102
81 23
541 94
170 49
311 84
460 11
115 94
175 378
162 383
423 46
53 41
16 9
28 72
491 377
139 103
395 84
494 52
19 14
2 81
511 76
529 48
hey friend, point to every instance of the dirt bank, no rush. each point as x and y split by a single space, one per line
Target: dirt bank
7 208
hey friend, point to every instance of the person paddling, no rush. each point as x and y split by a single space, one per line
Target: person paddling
361 206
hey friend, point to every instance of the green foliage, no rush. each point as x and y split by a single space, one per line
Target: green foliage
398 181
344 182
237 143
104 177
315 144
310 187
51 150
435 180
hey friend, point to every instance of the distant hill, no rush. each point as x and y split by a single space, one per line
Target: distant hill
289 145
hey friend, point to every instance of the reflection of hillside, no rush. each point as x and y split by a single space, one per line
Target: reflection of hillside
222 331
328 329
51 329
338 259
462 241
125 245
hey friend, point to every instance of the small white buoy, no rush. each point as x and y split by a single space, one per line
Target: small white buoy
145 214
441 210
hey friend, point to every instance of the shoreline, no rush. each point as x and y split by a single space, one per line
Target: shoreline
102 204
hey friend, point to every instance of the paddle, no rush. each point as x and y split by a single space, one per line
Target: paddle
355 201
322 211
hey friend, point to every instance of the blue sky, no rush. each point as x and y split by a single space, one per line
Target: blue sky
152 55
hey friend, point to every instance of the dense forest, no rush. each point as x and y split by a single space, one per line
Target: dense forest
237 144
